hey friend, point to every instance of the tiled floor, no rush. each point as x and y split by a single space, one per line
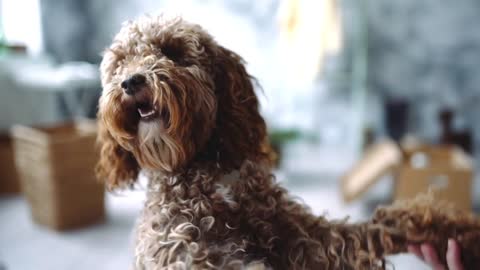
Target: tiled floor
108 246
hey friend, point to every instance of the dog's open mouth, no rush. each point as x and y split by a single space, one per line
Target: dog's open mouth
146 111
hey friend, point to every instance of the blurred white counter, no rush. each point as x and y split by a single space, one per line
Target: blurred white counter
36 91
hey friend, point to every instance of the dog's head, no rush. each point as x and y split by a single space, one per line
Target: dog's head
171 96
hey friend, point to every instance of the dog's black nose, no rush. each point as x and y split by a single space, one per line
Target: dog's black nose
132 84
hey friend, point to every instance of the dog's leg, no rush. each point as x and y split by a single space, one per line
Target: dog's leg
310 242
317 243
424 221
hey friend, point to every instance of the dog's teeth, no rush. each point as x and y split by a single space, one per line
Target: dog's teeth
145 114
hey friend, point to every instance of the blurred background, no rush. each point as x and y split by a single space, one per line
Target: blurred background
366 102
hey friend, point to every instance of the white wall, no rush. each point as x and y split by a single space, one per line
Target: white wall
21 23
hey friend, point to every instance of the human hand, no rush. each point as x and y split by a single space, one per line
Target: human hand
427 253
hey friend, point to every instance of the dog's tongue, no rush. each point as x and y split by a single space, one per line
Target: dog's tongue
146 111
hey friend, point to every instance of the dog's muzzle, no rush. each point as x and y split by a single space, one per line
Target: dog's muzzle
133 84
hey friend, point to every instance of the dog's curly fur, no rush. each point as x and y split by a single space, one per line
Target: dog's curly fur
212 201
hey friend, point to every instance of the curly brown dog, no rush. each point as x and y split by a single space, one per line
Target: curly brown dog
182 109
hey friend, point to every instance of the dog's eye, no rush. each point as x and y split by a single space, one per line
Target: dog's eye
172 52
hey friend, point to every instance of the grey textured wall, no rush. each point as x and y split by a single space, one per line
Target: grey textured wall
79 30
65 29
427 51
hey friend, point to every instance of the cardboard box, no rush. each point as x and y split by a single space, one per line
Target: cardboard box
445 170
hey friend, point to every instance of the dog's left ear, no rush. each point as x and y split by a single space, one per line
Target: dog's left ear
117 167
240 131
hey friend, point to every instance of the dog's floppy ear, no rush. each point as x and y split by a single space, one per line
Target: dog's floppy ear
117 167
240 131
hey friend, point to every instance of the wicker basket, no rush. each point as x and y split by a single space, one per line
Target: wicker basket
9 183
56 169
